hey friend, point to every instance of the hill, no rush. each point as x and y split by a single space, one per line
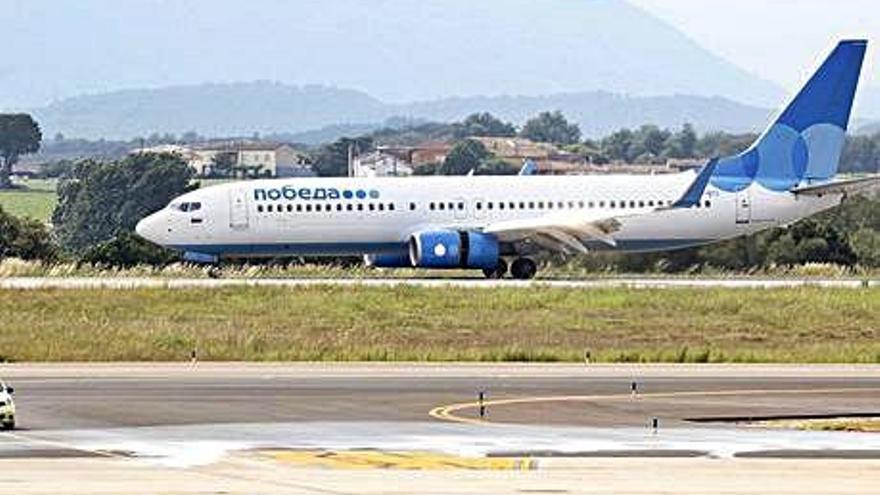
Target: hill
241 109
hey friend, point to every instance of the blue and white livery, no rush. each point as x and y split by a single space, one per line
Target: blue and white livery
502 224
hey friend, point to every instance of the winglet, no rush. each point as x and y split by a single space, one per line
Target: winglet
695 191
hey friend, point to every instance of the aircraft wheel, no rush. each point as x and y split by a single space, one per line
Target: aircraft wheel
523 269
497 272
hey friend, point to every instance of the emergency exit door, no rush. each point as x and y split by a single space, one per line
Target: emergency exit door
743 207
238 209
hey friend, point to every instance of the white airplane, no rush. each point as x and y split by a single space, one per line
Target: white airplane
500 224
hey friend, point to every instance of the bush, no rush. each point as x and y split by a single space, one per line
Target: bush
25 238
127 250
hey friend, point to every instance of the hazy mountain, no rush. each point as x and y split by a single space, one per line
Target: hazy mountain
270 108
396 50
209 109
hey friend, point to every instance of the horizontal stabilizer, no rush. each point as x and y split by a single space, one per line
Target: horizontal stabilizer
846 186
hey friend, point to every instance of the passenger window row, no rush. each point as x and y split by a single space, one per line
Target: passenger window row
323 207
460 205
550 205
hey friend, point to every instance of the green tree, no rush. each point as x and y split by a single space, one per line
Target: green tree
56 169
866 244
551 127
861 154
682 144
428 169
25 238
101 200
223 164
650 141
331 160
618 146
19 134
723 144
496 166
465 156
483 125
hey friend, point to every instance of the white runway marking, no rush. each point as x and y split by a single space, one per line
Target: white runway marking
183 446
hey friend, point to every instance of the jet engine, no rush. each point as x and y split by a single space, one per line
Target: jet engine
453 249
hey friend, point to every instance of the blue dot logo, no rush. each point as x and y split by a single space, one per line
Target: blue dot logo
361 194
347 194
374 194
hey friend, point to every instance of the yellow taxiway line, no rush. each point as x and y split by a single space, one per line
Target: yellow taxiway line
375 459
448 412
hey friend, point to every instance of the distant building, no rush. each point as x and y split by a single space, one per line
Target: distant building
380 164
251 159
163 148
547 158
430 152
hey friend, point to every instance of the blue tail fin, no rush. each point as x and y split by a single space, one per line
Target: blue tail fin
804 144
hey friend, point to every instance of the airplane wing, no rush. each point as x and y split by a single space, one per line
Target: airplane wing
845 186
567 232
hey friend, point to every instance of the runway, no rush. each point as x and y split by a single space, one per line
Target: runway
207 417
33 283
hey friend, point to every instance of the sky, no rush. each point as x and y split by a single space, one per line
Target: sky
93 46
782 40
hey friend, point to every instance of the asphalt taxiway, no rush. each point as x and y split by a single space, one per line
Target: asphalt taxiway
113 396
285 426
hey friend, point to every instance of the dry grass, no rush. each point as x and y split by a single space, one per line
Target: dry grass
13 267
871 425
412 323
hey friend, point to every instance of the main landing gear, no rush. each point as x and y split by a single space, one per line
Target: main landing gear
497 272
523 268
520 269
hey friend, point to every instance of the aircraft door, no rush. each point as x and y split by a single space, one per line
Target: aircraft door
238 208
743 207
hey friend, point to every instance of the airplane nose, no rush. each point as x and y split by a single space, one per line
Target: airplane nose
141 228
150 228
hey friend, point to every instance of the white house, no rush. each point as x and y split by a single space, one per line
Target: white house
378 164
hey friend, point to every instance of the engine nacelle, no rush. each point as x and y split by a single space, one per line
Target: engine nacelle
389 260
453 249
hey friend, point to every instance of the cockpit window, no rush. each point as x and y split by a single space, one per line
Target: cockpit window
189 206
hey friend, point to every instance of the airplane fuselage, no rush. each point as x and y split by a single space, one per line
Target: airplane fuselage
361 216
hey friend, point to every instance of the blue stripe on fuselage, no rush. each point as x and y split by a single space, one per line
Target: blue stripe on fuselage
302 249
359 248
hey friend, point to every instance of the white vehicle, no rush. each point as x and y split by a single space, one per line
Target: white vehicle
7 407
498 223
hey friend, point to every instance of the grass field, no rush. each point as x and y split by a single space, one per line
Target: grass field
410 323
34 199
